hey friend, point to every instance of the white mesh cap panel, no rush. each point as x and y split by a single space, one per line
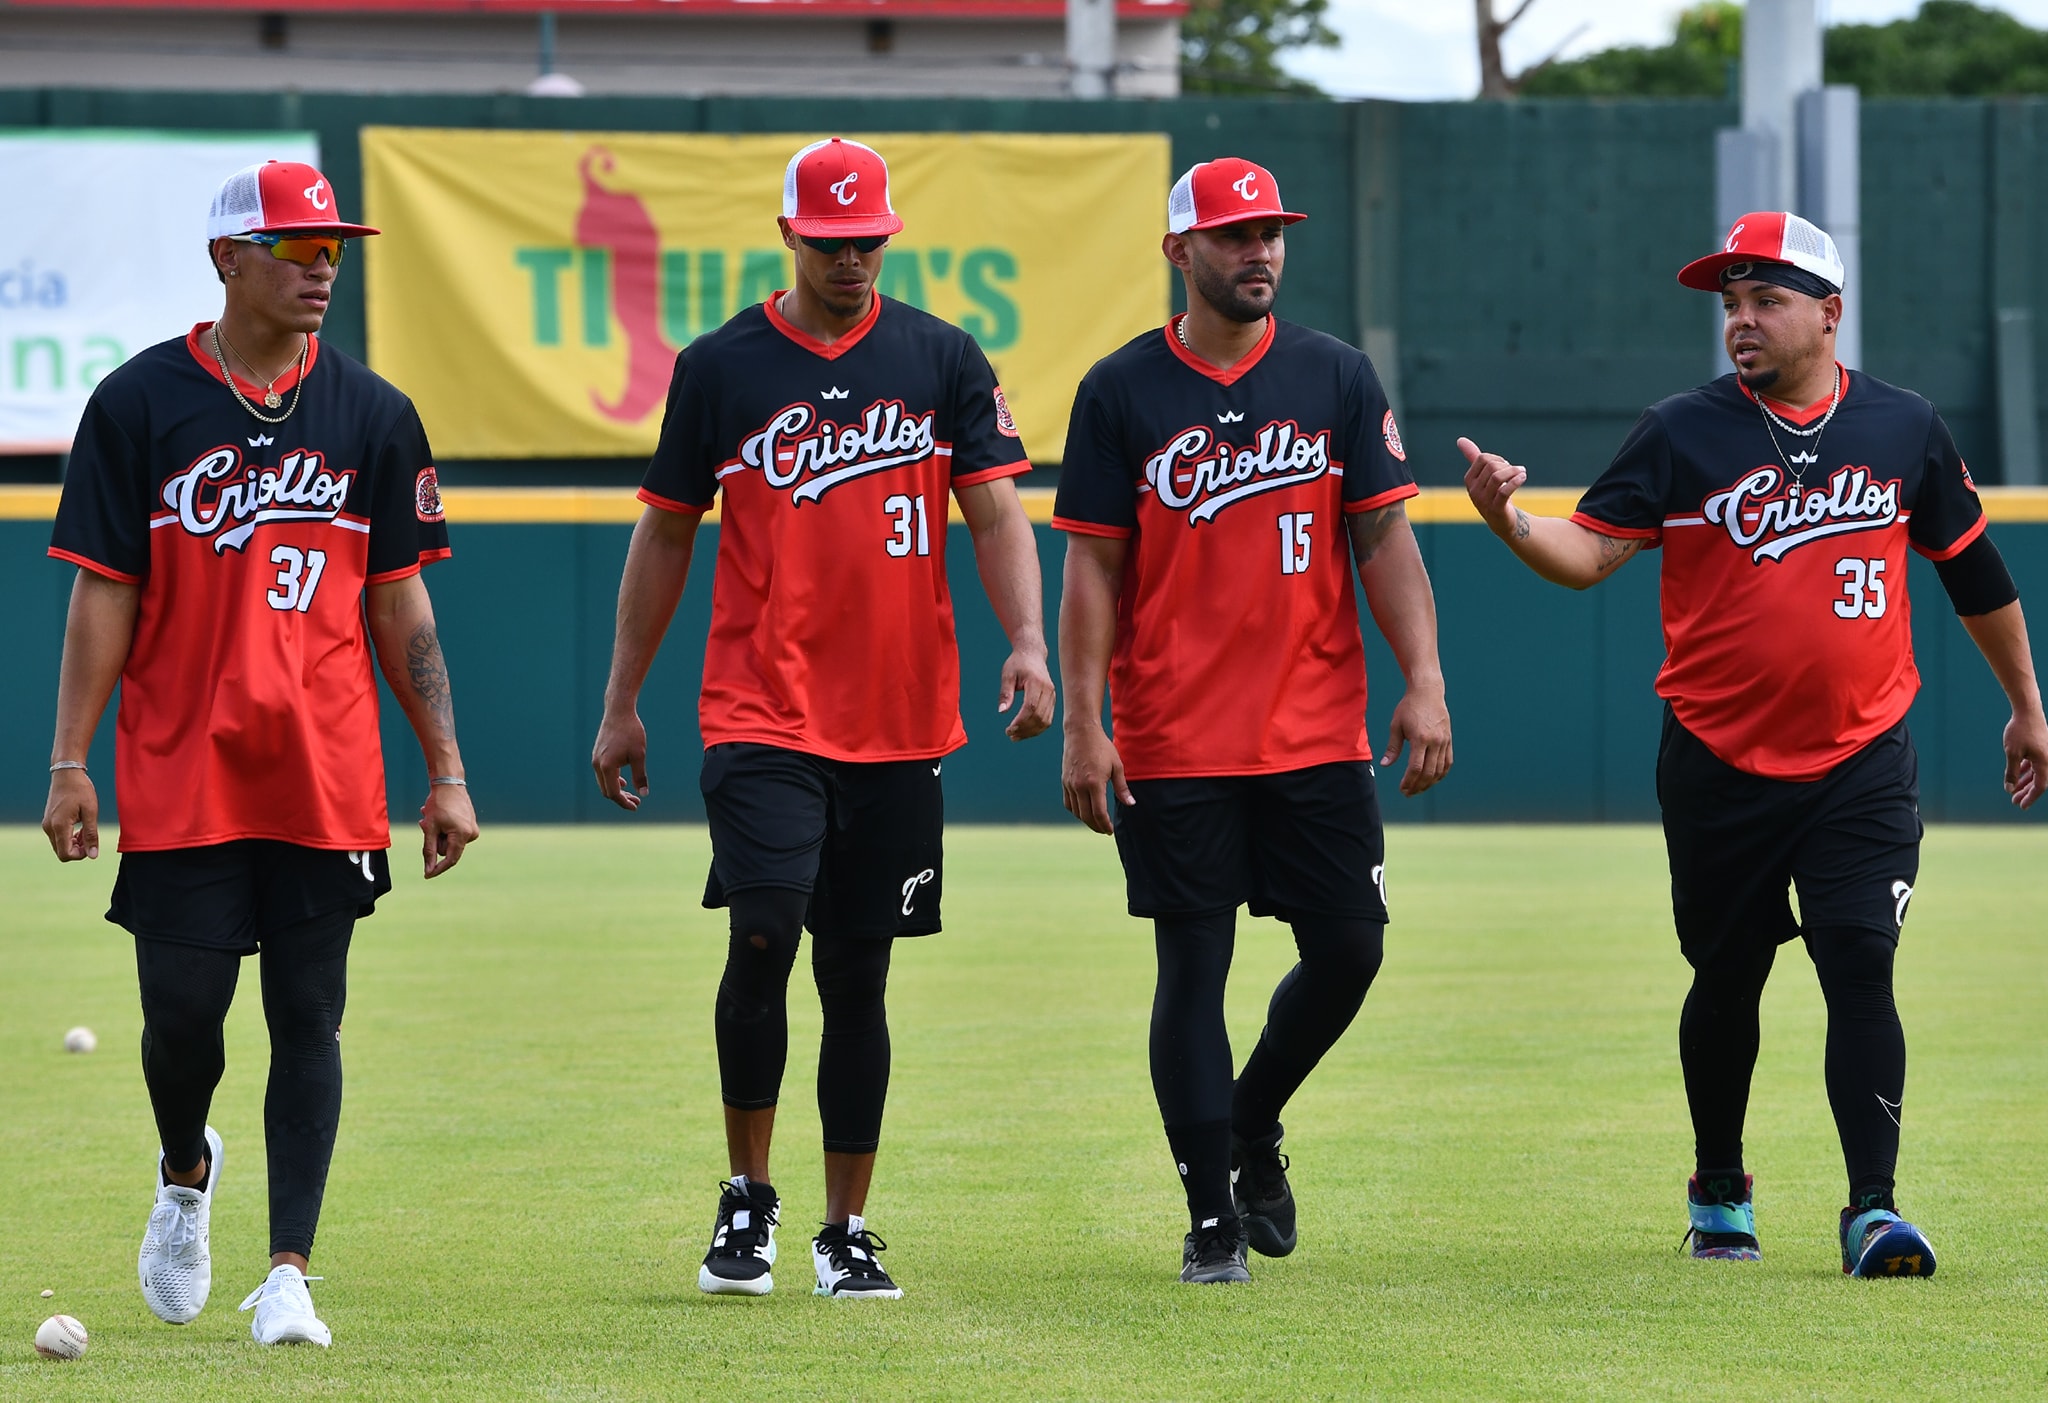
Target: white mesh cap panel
789 178
1180 204
237 205
1808 246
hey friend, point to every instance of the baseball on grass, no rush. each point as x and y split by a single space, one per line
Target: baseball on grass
80 1040
60 1337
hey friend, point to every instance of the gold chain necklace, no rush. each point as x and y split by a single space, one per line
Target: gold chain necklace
270 396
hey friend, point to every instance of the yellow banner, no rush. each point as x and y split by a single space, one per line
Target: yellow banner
531 289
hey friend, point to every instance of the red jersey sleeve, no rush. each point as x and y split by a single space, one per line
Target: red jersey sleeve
1629 499
682 476
1947 515
985 441
103 514
403 506
1375 462
1097 494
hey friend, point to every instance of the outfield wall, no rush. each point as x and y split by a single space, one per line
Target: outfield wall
1550 691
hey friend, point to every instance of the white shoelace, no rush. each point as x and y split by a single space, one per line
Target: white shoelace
274 1285
178 1222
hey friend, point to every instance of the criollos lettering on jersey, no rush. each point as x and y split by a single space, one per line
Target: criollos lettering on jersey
1759 511
1200 474
793 451
221 496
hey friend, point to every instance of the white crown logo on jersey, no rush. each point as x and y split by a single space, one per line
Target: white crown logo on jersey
219 496
790 451
1201 475
1757 512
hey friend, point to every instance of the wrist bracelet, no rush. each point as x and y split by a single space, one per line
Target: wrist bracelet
67 765
433 780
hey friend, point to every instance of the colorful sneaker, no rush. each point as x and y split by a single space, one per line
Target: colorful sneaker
284 1310
176 1261
1723 1229
1258 1188
1878 1242
742 1241
848 1269
1213 1254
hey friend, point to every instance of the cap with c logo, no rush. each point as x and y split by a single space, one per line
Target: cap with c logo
838 189
1228 190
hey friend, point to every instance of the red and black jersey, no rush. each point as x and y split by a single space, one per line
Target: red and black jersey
1237 643
248 703
1787 629
831 624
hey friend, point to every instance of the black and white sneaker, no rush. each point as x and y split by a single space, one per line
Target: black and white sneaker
742 1241
848 1269
1258 1184
1213 1254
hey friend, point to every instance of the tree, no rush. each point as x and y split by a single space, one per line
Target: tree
1703 59
1951 48
1234 46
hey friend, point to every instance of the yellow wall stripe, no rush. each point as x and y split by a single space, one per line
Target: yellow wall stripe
617 505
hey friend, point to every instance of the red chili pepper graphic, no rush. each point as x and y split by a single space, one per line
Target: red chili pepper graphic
619 223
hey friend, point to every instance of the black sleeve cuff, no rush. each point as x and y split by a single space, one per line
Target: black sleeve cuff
1976 579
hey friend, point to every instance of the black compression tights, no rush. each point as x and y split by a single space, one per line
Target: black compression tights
186 991
1866 1054
1190 1046
752 1017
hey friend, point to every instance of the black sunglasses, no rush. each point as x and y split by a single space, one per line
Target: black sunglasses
868 245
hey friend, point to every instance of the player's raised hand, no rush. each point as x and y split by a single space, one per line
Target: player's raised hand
71 818
1423 723
1490 480
2026 760
1089 768
621 742
1027 683
447 826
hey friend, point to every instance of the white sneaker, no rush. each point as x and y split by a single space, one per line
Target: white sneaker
176 1262
848 1269
284 1310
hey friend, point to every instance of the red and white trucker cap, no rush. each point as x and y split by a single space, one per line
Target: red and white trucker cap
838 189
274 197
1769 237
1224 191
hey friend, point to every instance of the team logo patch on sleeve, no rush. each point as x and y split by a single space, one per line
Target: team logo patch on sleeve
1393 437
1968 481
1004 423
427 495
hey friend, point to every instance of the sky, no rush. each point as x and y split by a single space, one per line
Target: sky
1426 50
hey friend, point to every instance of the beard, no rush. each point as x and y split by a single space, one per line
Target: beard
1760 379
1246 297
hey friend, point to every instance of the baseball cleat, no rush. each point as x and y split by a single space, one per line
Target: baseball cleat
176 1261
1213 1254
742 1241
284 1310
1723 1226
1878 1242
848 1269
1259 1190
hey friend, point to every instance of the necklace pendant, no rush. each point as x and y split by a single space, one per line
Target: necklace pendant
272 399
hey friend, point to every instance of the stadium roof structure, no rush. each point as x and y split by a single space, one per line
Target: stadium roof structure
836 9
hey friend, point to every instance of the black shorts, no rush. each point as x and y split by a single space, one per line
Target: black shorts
233 896
865 840
1302 842
1850 842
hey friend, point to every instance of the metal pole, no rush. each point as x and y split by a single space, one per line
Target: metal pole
1091 48
1830 194
547 42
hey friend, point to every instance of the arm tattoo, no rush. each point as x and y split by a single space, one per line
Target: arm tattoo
1521 524
428 671
1614 550
1369 531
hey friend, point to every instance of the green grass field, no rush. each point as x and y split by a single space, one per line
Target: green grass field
1490 1165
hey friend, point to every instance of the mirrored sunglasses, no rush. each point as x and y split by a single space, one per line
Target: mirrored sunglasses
300 248
868 245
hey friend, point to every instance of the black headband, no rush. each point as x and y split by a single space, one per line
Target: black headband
1779 275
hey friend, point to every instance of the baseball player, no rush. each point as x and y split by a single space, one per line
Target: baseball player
239 502
1223 475
1785 496
836 423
